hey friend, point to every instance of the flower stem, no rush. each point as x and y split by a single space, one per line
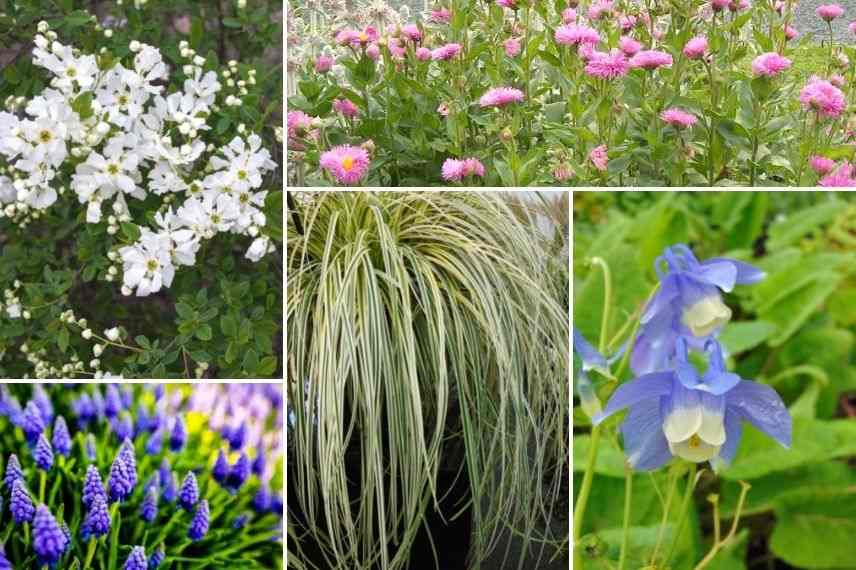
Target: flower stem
628 495
585 490
42 483
673 485
685 505
718 544
90 553
607 300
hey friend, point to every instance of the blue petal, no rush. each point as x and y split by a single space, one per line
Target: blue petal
654 345
588 398
761 406
733 431
644 443
663 299
723 274
746 274
591 358
643 388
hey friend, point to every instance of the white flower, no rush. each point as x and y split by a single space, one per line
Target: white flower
70 71
87 334
148 263
205 87
258 249
112 334
97 349
14 310
244 163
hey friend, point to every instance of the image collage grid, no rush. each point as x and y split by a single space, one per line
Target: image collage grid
427 284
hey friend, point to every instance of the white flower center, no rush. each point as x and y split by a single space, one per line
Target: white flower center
708 313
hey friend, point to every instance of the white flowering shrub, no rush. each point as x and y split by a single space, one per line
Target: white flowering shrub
134 175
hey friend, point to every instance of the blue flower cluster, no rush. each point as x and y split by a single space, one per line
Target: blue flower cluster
98 470
676 409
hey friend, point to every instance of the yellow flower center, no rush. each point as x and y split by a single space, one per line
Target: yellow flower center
45 136
151 265
364 37
694 442
71 72
244 198
242 175
348 163
123 100
113 169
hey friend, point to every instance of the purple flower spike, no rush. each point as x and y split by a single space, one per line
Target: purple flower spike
199 525
43 454
142 419
240 522
84 410
149 508
156 558
4 562
49 541
169 487
178 436
93 487
97 521
261 501
20 503
67 533
129 457
239 473
119 484
189 494
32 422
61 439
164 470
259 462
276 505
91 451
112 402
237 437
154 445
43 401
159 391
122 425
136 560
221 468
13 471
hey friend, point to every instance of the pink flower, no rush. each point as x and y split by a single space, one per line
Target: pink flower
829 11
512 47
441 16
719 5
587 52
823 97
770 64
357 38
696 47
373 51
569 15
396 48
562 172
608 65
837 80
347 164
599 158
678 118
841 178
821 165
443 110
411 32
454 170
627 22
779 6
629 46
446 52
738 5
323 63
423 53
298 123
501 96
599 8
852 27
576 34
651 59
790 32
507 3
346 107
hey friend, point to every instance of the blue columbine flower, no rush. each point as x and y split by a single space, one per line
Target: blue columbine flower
688 303
189 494
156 558
43 454
199 525
93 487
149 508
178 436
32 422
20 503
136 560
13 471
61 439
49 541
97 521
221 467
694 416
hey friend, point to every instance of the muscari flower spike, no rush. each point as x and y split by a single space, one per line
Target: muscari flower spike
61 439
112 401
262 499
97 521
49 541
43 454
240 522
237 437
169 487
93 487
259 462
122 426
178 436
32 422
221 467
189 494
156 558
136 560
119 484
43 401
239 473
149 507
694 416
13 472
4 562
130 458
21 504
91 450
688 303
199 525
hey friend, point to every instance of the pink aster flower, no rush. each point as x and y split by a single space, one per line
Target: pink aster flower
790 32
738 5
599 158
569 15
347 164
576 34
821 165
608 65
719 5
423 53
299 124
441 16
770 64
446 52
651 59
373 51
678 118
841 178
512 47
600 8
627 22
778 6
696 47
829 11
357 38
396 48
454 170
346 107
587 52
323 63
837 80
411 32
507 3
823 97
501 96
629 46
852 27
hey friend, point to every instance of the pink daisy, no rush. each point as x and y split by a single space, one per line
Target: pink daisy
501 96
354 37
396 48
823 97
841 178
446 52
821 165
600 8
837 80
608 65
587 52
423 53
696 47
373 51
569 15
770 64
629 46
599 158
323 63
576 34
454 170
738 5
829 11
790 32
298 124
346 107
411 32
512 47
347 164
627 22
651 59
441 16
678 118
852 27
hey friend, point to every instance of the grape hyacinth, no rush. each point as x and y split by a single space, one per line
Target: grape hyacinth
21 504
97 521
157 558
49 541
119 484
189 494
199 525
93 487
136 560
13 472
43 454
149 508
61 439
239 473
178 436
32 422
221 467
4 562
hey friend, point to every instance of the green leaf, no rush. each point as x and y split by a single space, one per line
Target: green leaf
82 105
184 310
62 339
816 532
232 23
251 361
143 341
267 366
231 352
229 325
742 336
787 231
131 231
197 29
204 332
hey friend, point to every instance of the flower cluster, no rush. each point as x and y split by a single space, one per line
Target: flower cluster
128 474
107 131
676 408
